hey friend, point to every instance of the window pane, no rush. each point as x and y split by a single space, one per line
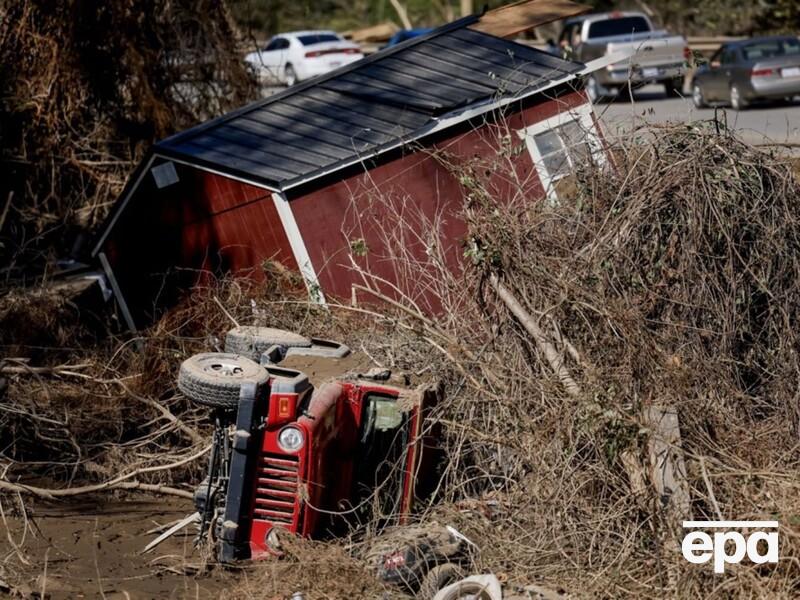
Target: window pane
556 164
619 26
318 38
548 142
575 139
771 48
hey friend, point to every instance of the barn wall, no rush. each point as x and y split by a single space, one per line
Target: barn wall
166 239
355 220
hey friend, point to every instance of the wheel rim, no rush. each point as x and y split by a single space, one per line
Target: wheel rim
291 76
697 95
225 369
735 99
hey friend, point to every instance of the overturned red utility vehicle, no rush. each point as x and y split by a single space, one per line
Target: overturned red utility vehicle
288 457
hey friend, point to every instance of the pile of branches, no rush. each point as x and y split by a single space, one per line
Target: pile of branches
85 89
84 410
662 284
645 323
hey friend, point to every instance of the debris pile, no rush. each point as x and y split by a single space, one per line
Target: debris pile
613 363
623 360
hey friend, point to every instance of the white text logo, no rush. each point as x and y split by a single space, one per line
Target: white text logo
699 547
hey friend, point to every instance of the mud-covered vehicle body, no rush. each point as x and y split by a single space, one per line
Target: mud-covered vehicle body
652 56
291 458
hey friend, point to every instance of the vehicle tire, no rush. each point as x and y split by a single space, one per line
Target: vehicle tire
253 341
593 90
625 92
697 96
437 578
215 378
737 100
674 88
289 75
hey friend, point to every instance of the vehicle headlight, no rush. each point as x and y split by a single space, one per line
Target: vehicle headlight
273 540
291 439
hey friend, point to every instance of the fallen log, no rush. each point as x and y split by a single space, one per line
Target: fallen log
553 356
120 482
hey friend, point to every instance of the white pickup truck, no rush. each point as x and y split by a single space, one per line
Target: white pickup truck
653 56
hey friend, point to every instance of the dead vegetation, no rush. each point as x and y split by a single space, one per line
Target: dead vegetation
661 291
85 89
663 285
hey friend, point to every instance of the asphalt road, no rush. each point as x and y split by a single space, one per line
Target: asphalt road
775 123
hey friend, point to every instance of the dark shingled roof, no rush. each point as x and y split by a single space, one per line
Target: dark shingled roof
364 108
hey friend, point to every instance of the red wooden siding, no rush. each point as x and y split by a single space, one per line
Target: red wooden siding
214 223
364 210
166 238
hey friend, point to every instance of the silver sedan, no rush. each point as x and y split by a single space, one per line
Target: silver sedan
742 73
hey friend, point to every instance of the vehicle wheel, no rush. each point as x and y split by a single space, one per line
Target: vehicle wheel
625 92
737 100
674 88
437 578
697 96
253 341
289 75
215 378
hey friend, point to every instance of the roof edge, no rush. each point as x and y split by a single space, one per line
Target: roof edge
130 187
447 121
315 81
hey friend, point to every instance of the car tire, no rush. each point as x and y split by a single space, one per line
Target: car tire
674 88
737 100
252 342
215 378
437 578
289 75
593 90
697 96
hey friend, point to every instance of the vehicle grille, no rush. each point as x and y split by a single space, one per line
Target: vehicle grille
277 483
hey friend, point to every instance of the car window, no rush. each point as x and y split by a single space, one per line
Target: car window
569 31
619 26
277 44
771 48
318 38
729 57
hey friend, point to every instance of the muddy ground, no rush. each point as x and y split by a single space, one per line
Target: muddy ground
92 547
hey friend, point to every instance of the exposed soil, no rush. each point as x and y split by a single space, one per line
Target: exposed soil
92 549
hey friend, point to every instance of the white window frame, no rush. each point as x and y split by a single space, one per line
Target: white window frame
584 115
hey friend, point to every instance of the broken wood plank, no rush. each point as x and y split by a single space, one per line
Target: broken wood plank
513 19
667 463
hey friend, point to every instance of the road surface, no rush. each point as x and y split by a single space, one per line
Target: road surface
776 123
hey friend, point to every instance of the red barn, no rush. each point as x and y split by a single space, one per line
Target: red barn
294 178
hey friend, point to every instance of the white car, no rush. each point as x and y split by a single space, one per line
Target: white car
298 55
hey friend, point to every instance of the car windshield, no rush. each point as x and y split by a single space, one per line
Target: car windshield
620 26
770 48
317 38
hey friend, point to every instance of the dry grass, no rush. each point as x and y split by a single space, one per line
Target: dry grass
671 279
